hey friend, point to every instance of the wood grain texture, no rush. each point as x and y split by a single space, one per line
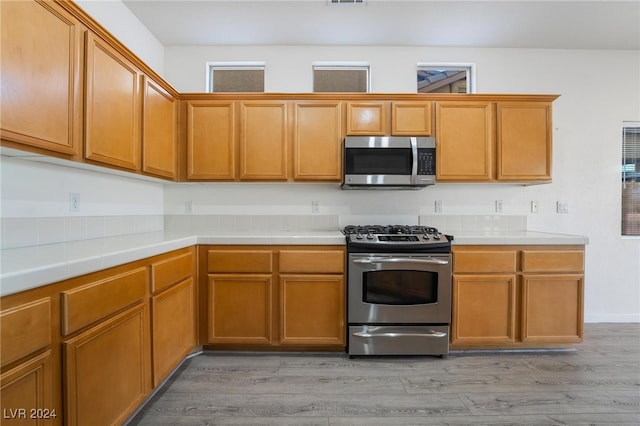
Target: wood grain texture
92 302
159 130
595 384
41 76
15 341
411 118
317 141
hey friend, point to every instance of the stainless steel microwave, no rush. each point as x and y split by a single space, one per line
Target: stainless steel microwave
388 162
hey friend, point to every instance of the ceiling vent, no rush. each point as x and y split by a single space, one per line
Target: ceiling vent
338 2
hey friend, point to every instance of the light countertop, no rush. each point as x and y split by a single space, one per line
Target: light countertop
517 238
30 267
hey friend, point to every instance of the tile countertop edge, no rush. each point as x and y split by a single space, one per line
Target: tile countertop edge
38 266
519 238
43 265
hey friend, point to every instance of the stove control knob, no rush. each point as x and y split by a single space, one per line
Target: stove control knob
425 237
358 236
436 236
369 236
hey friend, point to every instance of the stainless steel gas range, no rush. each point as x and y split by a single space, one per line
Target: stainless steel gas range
398 290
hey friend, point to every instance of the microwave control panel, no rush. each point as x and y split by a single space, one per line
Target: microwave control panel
426 161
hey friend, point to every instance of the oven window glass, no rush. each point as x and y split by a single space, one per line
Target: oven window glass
378 161
400 287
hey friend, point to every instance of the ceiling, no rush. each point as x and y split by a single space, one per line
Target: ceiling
548 24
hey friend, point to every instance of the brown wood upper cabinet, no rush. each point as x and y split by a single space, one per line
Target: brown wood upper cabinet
317 141
524 135
263 140
159 130
408 118
493 141
464 140
211 140
367 118
41 49
112 106
411 118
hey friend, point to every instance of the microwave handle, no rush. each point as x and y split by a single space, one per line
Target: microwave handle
414 154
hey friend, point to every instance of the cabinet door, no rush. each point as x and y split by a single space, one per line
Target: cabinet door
366 118
240 309
263 140
552 308
484 308
317 141
524 137
464 141
107 370
29 387
159 131
211 140
173 315
41 76
411 118
112 107
312 310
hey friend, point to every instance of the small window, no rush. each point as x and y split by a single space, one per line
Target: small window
341 78
442 78
631 178
235 77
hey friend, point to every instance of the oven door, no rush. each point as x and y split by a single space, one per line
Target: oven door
399 288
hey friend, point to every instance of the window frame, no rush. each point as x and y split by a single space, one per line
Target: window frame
342 66
635 201
470 69
231 66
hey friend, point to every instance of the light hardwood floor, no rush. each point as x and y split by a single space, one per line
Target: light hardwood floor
598 383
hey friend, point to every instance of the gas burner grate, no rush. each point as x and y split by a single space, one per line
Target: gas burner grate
389 229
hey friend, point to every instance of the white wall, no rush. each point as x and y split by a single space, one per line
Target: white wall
116 18
598 91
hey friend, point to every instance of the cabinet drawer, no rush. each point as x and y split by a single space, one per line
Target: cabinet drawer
90 303
484 261
171 271
553 261
34 317
242 261
303 261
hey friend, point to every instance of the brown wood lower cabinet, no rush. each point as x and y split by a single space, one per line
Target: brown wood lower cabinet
517 296
485 309
89 350
240 308
27 393
267 297
173 328
312 310
107 371
173 311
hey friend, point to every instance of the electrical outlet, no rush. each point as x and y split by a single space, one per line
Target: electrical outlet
188 207
562 207
534 207
315 207
438 206
74 202
499 206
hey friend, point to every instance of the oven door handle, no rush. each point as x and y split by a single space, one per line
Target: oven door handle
391 334
428 260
